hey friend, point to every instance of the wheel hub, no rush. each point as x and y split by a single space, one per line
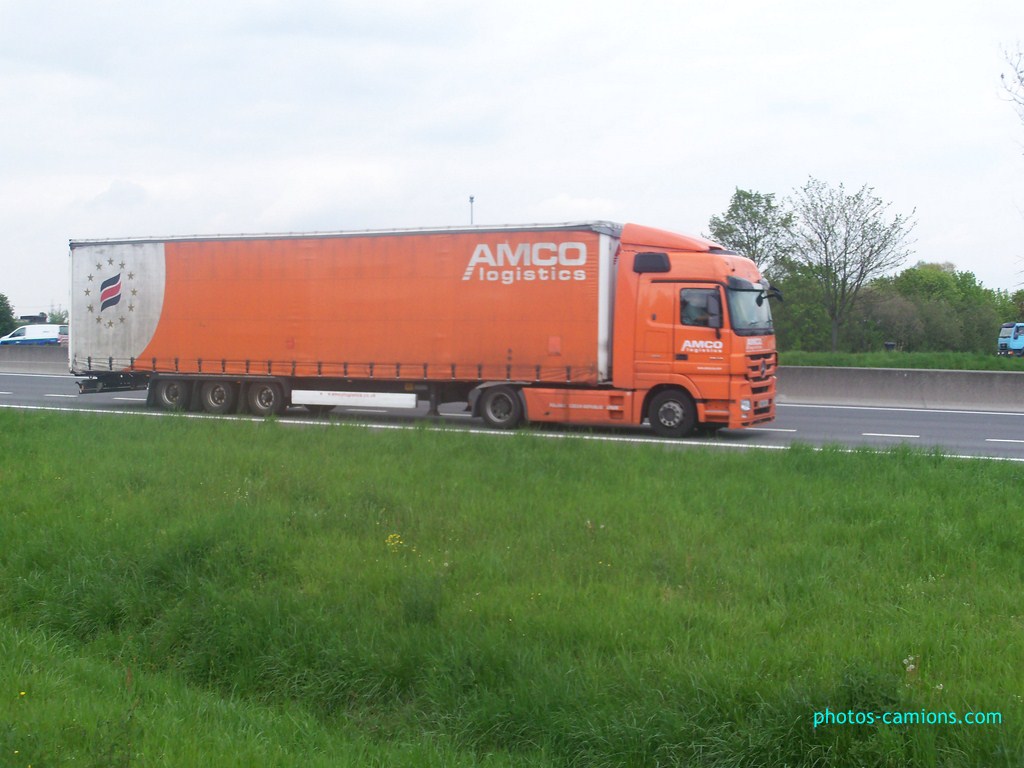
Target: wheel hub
671 414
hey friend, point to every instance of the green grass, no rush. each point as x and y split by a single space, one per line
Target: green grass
334 596
63 705
950 361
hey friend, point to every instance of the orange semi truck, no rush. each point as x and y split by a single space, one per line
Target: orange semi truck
590 323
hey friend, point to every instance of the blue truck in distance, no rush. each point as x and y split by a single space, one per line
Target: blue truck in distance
1011 340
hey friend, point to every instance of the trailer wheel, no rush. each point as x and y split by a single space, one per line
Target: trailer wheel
218 396
265 398
173 394
672 413
501 408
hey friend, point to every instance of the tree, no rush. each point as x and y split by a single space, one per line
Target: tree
7 323
800 321
895 318
976 309
1013 83
846 240
1017 300
757 227
931 281
929 307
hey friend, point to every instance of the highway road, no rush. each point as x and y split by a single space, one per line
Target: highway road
954 432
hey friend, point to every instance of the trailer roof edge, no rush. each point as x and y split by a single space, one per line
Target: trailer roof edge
601 227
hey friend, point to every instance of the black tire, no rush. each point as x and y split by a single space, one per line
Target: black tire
672 413
218 396
173 394
265 398
501 407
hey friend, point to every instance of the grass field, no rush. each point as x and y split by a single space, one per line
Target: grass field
195 592
948 361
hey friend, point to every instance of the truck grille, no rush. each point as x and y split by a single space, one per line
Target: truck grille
761 367
761 375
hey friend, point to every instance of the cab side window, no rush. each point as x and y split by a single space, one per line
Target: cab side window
700 307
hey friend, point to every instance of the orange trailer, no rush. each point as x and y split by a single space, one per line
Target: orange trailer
594 322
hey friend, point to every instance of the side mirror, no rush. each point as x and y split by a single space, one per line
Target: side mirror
714 311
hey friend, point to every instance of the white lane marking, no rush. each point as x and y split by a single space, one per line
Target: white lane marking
132 399
479 432
483 433
41 375
886 434
768 429
901 410
70 396
1000 440
6 393
366 410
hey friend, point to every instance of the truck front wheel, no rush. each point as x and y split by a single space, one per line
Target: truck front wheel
501 408
672 413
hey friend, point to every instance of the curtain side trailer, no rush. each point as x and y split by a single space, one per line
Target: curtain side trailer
593 323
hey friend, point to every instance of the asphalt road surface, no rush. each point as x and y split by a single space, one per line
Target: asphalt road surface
960 433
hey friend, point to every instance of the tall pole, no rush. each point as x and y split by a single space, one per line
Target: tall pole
471 199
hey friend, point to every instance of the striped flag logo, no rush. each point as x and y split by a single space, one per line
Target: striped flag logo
110 292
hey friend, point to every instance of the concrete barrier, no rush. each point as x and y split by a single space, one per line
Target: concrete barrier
31 358
893 387
903 388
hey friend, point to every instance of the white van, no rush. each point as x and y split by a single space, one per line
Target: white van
37 334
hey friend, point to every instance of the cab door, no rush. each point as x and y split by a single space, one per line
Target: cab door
701 347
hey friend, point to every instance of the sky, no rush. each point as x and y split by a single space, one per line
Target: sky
133 119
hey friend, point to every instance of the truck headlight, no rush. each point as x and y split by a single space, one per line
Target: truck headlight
744 405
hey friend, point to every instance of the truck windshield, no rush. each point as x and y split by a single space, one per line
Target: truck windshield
748 308
1005 332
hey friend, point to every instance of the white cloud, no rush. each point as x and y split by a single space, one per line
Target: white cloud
187 117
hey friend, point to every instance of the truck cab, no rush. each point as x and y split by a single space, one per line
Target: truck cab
703 339
1011 340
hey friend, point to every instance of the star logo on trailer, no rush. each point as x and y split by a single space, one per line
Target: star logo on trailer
111 311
